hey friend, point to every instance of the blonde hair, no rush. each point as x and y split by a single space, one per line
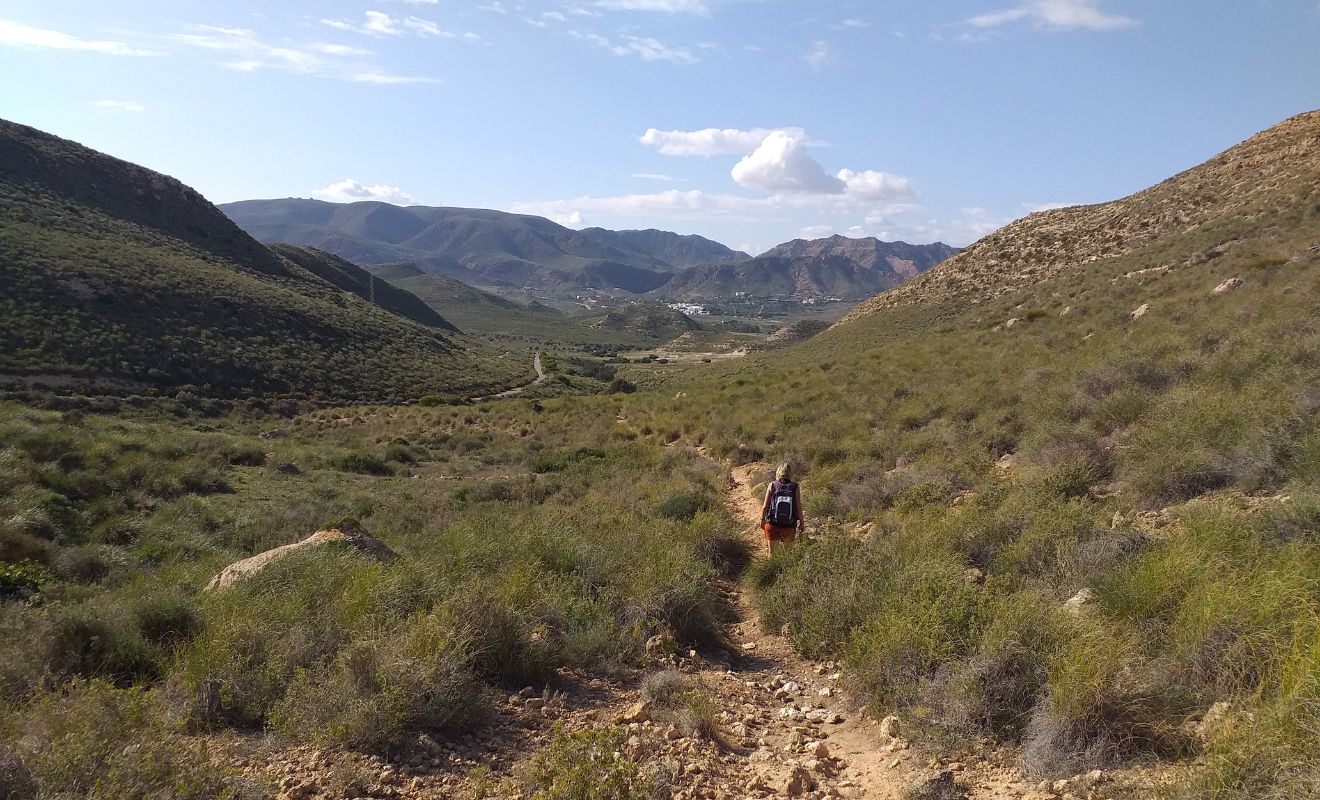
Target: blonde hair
784 472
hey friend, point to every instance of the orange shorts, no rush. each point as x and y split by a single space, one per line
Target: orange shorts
774 533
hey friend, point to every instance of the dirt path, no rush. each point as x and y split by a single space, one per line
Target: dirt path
517 390
784 728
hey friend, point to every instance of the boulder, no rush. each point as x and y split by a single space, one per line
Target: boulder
1227 286
1077 602
348 533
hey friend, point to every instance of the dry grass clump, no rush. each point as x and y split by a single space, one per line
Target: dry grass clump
681 701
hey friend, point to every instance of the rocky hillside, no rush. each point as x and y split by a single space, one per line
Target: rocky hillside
1212 207
119 278
832 267
479 246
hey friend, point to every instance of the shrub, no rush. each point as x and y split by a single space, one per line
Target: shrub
82 641
99 741
430 401
363 463
683 506
167 619
680 701
588 765
376 692
21 581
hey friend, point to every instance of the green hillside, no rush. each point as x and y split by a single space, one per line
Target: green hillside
482 313
482 246
122 278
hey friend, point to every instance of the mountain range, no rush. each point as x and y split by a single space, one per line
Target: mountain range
495 248
480 246
835 266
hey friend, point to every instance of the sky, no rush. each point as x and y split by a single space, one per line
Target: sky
751 122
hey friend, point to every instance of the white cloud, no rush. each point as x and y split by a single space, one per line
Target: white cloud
244 51
351 191
815 231
855 23
19 35
710 141
378 23
386 78
118 105
873 185
663 6
339 49
644 47
781 164
652 176
572 219
1056 15
494 8
819 55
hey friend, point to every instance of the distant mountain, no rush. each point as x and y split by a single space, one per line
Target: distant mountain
479 246
833 267
674 249
118 278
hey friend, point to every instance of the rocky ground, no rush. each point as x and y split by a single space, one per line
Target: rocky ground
784 728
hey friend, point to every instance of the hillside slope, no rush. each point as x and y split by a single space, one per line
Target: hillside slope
1209 206
119 277
1065 485
352 278
835 266
478 246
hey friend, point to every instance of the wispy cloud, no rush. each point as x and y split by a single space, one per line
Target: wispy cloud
818 55
653 176
352 191
643 47
243 50
16 34
1056 15
378 23
701 7
118 105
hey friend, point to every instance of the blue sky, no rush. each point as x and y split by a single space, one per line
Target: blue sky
749 121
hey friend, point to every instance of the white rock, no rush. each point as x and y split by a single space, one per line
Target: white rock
889 727
1140 311
1227 286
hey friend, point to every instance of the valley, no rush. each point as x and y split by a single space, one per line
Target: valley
1062 491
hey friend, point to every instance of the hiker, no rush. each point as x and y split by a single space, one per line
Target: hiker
781 513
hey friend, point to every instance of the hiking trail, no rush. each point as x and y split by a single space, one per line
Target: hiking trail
785 728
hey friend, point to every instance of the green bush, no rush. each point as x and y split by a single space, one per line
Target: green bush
588 765
21 581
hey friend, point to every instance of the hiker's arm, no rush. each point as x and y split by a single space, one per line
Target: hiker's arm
797 504
765 504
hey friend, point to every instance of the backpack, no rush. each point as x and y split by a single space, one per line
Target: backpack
783 504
